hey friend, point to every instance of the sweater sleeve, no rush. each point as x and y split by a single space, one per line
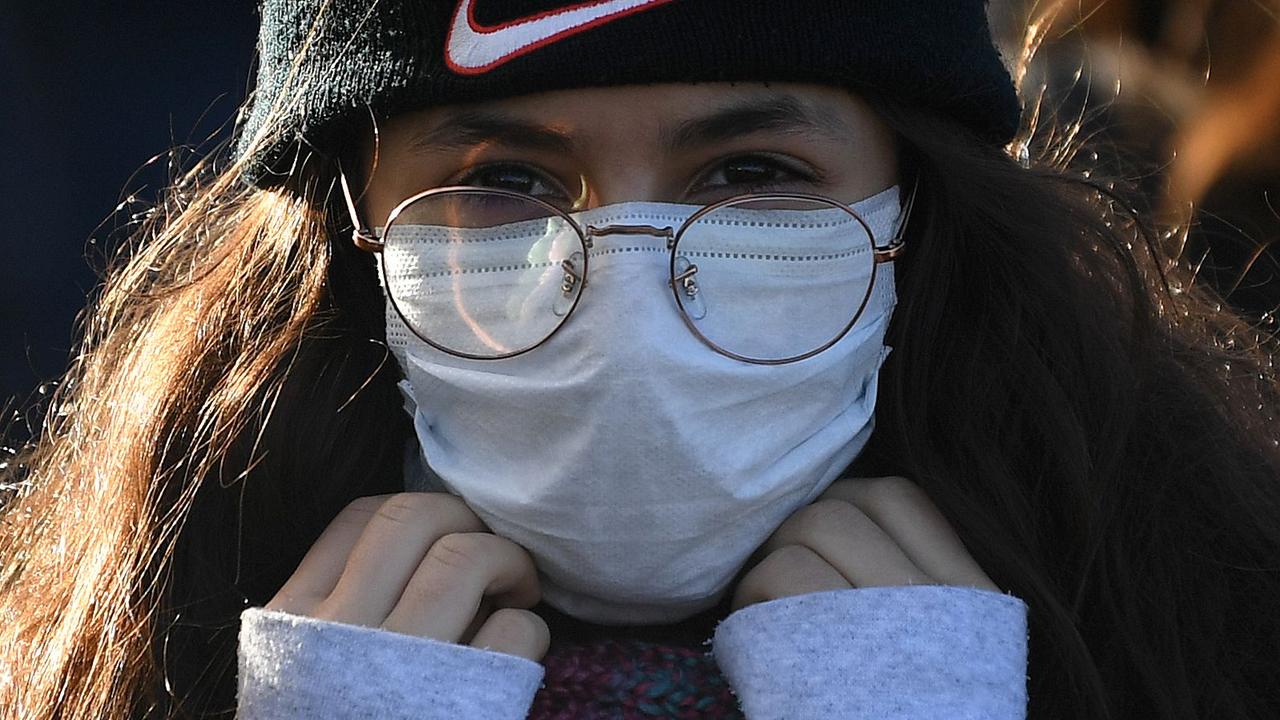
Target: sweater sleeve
301 667
889 653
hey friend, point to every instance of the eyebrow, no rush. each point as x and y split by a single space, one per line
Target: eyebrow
783 114
786 114
475 127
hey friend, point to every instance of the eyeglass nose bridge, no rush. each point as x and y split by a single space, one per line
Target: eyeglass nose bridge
686 279
595 231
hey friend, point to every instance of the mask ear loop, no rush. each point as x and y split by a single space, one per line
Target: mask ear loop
898 245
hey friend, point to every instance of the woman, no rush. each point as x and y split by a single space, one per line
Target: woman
527 343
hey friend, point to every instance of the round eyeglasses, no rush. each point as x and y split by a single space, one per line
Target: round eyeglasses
488 274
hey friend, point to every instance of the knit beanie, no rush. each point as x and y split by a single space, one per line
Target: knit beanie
324 64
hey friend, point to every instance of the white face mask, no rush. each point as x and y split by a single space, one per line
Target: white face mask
639 467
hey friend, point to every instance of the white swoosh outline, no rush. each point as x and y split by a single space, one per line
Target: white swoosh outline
474 49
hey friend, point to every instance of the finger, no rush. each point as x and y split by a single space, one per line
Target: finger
789 570
388 553
850 542
482 615
444 593
909 516
321 567
515 632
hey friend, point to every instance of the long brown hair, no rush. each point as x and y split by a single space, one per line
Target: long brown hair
123 526
1098 428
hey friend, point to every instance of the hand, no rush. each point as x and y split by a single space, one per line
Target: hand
420 564
861 533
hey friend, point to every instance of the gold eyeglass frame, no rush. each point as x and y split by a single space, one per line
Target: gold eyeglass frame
367 240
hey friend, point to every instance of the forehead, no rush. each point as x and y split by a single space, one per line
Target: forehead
655 111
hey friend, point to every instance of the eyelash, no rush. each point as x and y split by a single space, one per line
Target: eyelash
471 176
788 168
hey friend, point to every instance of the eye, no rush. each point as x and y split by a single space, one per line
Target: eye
517 178
753 173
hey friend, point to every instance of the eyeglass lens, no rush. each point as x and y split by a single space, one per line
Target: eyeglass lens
482 274
776 277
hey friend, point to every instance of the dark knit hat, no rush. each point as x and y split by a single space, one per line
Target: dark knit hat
380 57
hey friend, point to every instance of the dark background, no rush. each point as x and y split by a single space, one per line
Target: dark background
90 91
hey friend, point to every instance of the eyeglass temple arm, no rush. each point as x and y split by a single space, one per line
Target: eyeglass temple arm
898 245
364 238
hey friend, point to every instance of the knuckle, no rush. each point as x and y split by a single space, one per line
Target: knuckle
529 569
508 550
517 553
767 579
408 508
895 487
362 508
458 551
826 516
428 595
789 557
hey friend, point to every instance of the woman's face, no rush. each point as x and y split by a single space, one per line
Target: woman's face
692 144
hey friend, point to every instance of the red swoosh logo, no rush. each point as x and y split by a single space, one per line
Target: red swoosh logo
474 49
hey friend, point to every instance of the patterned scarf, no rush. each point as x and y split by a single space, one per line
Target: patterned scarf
620 679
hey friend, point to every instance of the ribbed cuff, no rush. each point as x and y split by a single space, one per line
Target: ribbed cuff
301 667
896 653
